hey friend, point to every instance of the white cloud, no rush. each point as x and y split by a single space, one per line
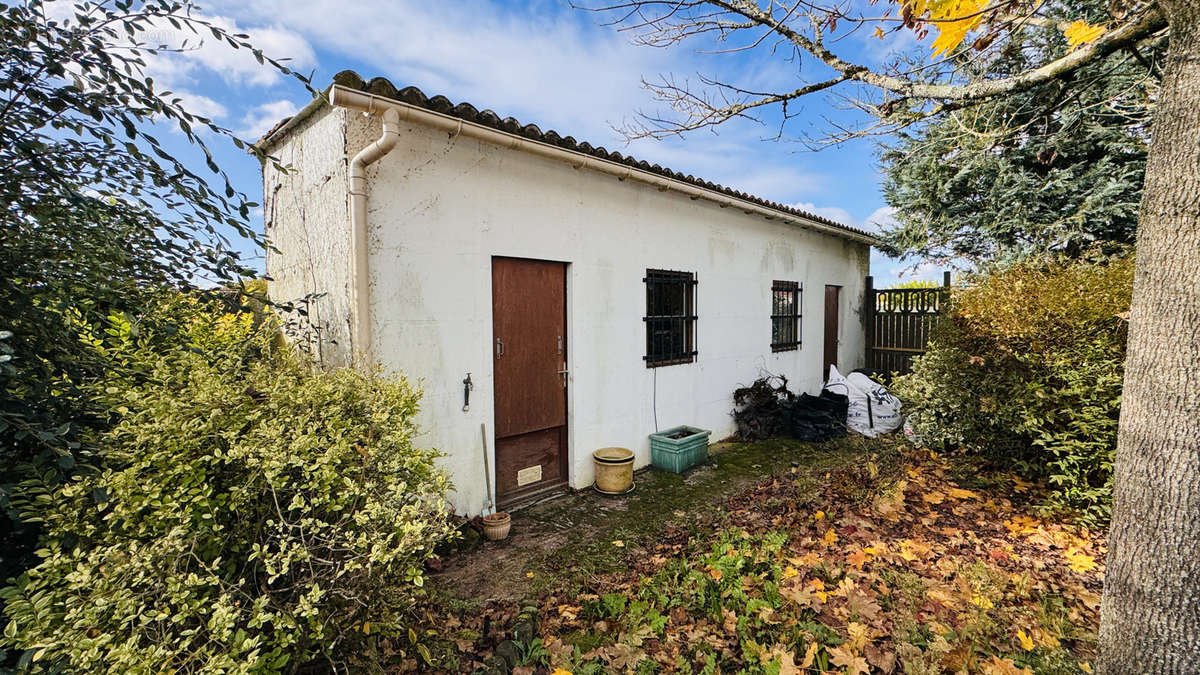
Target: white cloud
895 270
201 105
886 271
884 216
834 213
730 158
778 184
190 57
202 51
186 54
259 119
546 64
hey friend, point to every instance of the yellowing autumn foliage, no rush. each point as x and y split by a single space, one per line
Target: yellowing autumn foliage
999 666
1080 562
1027 372
830 537
955 19
859 636
952 18
1081 33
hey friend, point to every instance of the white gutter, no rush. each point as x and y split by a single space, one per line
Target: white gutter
360 274
359 100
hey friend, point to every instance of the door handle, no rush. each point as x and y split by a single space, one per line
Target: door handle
564 372
499 348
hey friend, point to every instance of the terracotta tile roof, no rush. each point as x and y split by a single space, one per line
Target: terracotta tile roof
382 87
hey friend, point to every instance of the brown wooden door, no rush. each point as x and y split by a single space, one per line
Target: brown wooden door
529 353
832 297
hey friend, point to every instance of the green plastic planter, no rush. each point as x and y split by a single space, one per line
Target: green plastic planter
679 454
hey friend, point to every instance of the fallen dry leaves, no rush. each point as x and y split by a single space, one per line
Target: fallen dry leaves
913 575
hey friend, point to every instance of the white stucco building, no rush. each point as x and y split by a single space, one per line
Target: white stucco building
591 298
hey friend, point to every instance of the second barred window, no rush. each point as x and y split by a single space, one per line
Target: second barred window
785 315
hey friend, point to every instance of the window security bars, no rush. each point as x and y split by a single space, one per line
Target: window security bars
670 317
785 316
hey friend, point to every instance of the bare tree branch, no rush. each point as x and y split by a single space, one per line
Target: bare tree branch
700 111
1142 26
908 96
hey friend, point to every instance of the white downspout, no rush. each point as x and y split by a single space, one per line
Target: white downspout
360 276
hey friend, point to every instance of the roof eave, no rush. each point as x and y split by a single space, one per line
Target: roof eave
465 114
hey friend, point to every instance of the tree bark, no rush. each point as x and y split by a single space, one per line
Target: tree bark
1150 616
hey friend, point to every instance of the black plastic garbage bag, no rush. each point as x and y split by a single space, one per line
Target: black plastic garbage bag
818 418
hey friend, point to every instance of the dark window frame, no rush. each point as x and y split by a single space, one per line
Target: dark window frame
789 321
670 337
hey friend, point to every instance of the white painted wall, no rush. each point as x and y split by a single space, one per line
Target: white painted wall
440 207
307 217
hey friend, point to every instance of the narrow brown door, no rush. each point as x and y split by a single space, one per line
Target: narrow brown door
529 352
832 295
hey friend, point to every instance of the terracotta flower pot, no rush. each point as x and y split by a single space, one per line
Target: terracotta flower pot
614 470
497 525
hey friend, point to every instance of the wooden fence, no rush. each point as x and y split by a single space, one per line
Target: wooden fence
899 321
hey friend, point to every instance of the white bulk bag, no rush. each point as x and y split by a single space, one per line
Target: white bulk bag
872 410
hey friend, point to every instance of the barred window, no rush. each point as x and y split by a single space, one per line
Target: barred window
785 315
670 317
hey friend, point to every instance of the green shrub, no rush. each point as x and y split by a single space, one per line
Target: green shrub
252 514
1026 372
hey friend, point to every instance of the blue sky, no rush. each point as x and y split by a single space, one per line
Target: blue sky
539 61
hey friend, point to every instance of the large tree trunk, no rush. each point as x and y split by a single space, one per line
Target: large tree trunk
1150 617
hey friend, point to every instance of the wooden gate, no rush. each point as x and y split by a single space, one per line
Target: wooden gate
899 322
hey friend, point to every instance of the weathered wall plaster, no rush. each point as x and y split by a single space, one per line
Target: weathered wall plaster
308 220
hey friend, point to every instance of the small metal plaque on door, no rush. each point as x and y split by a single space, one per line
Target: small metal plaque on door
530 474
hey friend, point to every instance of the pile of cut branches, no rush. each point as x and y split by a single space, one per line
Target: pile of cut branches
761 410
